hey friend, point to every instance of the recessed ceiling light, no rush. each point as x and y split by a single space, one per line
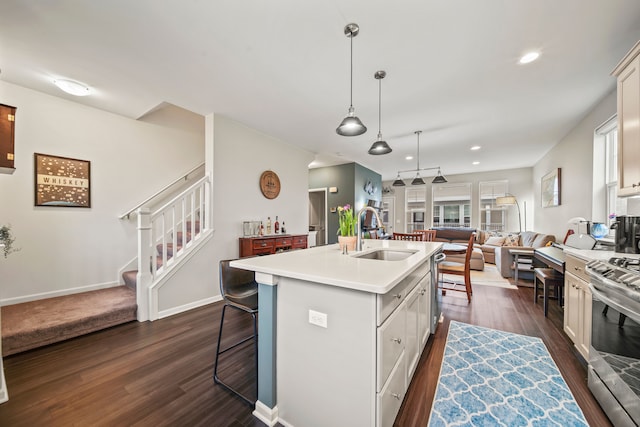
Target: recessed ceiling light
71 87
409 158
475 163
475 147
529 57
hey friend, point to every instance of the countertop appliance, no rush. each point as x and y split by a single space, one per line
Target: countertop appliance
614 356
627 234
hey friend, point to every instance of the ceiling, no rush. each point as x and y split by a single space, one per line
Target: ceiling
282 67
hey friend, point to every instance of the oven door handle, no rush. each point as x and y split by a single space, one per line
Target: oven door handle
597 294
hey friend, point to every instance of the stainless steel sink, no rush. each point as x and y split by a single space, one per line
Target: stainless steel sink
386 254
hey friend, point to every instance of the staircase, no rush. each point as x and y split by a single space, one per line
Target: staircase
130 277
173 231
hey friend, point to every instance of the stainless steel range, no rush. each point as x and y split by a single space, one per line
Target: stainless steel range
614 357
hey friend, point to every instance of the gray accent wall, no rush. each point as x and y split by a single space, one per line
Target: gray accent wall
350 180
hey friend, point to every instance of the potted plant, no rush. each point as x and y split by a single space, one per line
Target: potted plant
347 223
6 240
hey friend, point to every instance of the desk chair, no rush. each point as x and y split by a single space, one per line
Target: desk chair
239 290
415 237
460 269
428 235
548 277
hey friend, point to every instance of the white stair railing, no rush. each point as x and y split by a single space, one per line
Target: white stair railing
165 237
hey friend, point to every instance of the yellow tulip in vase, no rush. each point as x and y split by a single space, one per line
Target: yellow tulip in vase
347 228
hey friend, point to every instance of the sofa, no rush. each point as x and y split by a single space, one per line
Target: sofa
495 247
460 236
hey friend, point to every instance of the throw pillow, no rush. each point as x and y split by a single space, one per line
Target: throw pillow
495 241
512 240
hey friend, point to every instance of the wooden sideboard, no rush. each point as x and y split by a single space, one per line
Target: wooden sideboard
266 245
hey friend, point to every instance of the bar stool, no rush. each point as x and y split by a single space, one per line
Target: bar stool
548 277
239 290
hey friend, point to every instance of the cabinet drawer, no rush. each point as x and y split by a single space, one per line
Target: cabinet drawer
283 242
388 302
390 398
576 266
300 242
391 342
263 244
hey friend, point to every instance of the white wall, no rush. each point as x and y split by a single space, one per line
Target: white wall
240 155
519 185
574 155
65 250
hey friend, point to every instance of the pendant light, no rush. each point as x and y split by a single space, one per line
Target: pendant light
351 125
439 179
398 182
380 146
418 179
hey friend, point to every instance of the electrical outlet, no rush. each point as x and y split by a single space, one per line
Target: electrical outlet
317 318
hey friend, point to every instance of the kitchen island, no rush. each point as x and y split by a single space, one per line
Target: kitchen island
340 335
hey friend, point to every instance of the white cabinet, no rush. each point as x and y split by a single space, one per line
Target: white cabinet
628 75
577 305
418 327
355 369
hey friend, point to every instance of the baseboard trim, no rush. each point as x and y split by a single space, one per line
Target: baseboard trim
267 415
60 293
186 307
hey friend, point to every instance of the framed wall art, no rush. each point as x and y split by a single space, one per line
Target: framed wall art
550 189
61 181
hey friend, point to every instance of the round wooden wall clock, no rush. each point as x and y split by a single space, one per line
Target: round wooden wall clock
270 184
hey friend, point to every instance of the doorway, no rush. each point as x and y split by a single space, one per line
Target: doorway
318 217
388 213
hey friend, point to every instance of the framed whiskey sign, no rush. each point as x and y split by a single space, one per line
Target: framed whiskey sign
61 181
7 138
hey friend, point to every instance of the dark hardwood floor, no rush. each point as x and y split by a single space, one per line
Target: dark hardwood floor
160 373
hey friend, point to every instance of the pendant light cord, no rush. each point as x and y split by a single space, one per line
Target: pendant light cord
379 107
351 79
418 133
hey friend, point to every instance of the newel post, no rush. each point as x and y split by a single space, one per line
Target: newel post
144 258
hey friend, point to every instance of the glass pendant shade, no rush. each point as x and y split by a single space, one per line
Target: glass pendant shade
439 179
398 182
351 125
417 180
380 147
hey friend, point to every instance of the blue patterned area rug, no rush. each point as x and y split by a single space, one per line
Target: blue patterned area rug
496 378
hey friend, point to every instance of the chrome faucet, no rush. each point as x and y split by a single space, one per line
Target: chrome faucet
359 226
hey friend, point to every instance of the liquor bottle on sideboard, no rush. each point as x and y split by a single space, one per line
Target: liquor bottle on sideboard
276 226
261 231
268 225
282 230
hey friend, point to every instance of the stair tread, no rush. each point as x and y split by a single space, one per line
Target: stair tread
36 323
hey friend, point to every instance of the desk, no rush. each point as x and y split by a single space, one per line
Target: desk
527 255
551 257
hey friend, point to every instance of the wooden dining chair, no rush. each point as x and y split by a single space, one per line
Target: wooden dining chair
428 235
415 237
459 269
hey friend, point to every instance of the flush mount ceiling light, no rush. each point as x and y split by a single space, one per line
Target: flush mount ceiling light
475 147
380 146
529 57
351 125
438 179
71 87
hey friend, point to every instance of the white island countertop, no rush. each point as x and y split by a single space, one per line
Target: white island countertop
327 265
600 255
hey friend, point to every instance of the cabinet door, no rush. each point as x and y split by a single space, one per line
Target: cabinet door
584 340
628 129
391 342
390 397
424 326
571 306
412 348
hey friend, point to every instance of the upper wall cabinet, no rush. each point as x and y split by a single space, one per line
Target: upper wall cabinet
628 75
7 130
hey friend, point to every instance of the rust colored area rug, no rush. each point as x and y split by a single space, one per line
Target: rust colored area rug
37 323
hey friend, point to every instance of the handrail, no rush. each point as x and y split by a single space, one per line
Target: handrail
172 201
157 193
